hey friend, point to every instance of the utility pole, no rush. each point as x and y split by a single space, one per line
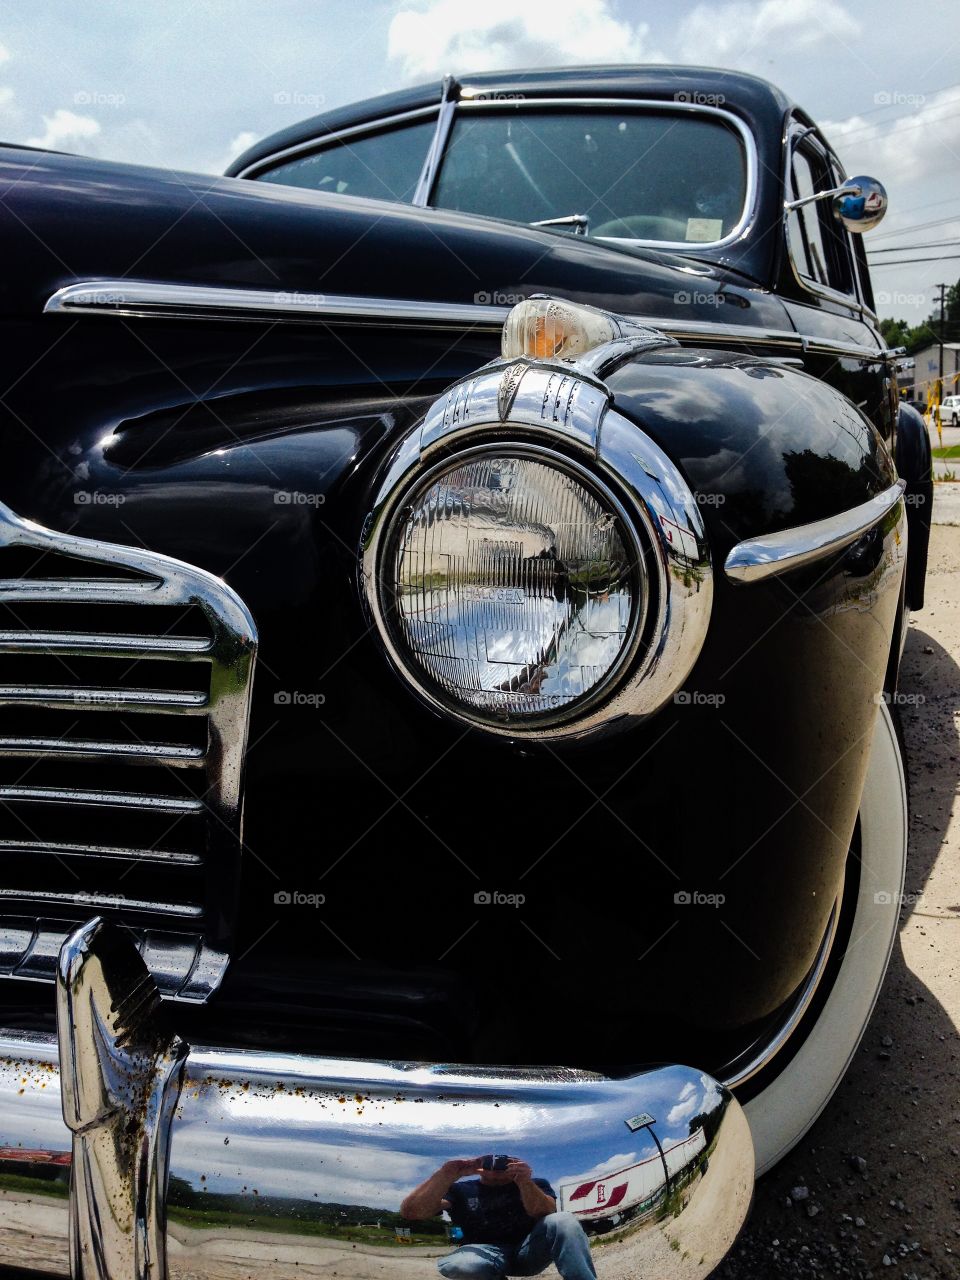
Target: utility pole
939 392
943 294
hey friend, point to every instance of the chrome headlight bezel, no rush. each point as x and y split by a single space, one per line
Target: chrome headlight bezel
562 416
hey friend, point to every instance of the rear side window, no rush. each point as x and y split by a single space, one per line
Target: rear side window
384 165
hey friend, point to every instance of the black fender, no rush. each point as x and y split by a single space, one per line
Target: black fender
915 465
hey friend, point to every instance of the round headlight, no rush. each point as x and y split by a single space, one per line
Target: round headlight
513 586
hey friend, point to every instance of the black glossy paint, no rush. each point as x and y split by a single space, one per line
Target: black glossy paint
254 450
915 465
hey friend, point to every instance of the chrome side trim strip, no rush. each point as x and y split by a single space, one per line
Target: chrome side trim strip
831 347
168 299
758 558
147 298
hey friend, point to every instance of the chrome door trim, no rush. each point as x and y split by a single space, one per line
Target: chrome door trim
758 558
321 141
832 347
147 298
479 103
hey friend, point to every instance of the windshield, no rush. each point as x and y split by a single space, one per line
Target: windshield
673 176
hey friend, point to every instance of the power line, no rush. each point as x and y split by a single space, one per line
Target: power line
931 92
909 248
920 124
917 226
932 204
904 262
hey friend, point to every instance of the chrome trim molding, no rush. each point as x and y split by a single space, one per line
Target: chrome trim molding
758 558
207 834
470 103
265 1151
549 406
323 140
151 299
833 347
167 299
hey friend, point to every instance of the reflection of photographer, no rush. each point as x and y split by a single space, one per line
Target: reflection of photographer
508 1220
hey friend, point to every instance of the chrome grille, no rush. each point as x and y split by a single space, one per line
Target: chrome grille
125 681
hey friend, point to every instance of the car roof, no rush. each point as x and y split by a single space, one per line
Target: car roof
761 104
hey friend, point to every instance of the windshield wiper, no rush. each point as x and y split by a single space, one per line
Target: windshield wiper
579 221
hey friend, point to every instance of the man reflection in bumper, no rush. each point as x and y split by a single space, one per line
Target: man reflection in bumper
508 1220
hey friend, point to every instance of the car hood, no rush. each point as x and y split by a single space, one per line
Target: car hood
68 218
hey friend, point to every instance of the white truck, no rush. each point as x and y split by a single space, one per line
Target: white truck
634 1186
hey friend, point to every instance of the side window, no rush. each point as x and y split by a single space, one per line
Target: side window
383 165
818 243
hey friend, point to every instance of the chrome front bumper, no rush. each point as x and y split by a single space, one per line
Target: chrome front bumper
204 1164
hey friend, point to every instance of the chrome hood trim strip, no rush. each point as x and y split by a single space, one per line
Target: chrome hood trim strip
269 1157
157 298
147 298
775 553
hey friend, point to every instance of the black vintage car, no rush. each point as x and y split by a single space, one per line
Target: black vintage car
534 439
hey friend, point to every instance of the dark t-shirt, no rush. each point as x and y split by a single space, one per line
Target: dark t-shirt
492 1214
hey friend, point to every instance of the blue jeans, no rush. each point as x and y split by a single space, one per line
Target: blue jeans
557 1238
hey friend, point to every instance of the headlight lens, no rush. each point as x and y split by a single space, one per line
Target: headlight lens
518 588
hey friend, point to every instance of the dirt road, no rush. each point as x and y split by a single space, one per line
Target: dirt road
881 1168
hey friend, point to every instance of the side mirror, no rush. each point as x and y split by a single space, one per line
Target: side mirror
860 203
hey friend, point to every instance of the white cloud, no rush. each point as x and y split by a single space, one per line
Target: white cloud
734 35
914 153
682 1111
66 131
429 39
612 1165
711 1094
916 146
245 138
9 110
693 1102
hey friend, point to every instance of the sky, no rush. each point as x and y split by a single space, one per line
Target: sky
189 84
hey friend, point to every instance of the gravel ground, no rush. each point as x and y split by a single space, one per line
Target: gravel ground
873 1188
